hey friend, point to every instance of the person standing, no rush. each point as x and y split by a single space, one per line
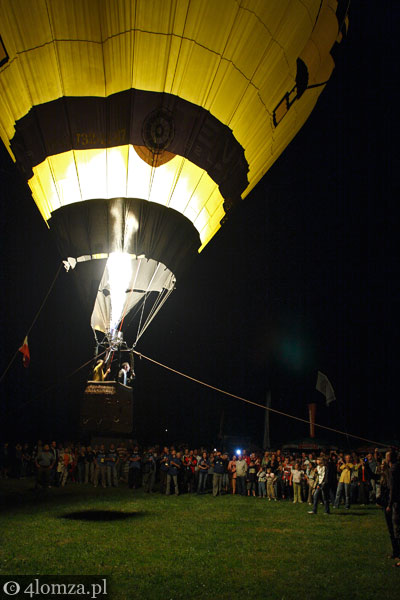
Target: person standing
321 487
164 466
365 477
203 472
232 473
373 462
81 464
295 482
90 466
270 478
219 468
112 462
148 471
53 473
262 481
345 469
124 376
135 465
122 458
44 463
225 476
101 470
251 479
393 507
311 476
100 371
241 471
175 465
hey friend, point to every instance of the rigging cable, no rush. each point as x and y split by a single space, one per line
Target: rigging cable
274 410
34 320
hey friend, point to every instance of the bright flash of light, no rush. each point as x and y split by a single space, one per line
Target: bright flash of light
119 265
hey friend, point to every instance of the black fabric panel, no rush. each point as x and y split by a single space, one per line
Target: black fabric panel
132 117
341 13
101 225
301 77
86 277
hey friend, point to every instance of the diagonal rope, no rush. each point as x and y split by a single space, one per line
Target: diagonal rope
274 410
34 321
59 383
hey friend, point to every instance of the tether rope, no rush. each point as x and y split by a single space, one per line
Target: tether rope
274 410
34 320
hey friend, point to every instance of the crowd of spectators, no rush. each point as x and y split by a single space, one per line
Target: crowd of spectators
324 477
272 475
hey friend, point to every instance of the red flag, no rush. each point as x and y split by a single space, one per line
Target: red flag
26 357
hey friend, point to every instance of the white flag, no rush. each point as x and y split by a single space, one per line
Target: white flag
324 386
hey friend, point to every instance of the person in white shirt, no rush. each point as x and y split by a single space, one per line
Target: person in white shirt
321 487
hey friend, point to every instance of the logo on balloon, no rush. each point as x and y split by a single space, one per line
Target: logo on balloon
158 130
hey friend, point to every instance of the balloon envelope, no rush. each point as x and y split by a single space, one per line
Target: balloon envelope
154 104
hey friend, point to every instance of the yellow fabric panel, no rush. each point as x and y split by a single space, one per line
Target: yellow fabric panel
156 16
188 195
35 68
195 72
255 130
77 20
81 68
210 23
117 17
247 43
117 178
325 70
108 173
289 126
318 47
138 177
293 31
272 79
91 169
65 176
44 190
237 59
118 62
212 221
231 90
326 30
28 26
150 63
15 97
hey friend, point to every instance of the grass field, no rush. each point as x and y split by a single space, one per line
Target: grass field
196 547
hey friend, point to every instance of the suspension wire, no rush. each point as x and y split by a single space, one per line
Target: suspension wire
59 383
274 410
161 304
152 310
146 295
131 292
34 320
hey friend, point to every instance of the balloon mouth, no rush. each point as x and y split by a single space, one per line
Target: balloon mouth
127 283
119 267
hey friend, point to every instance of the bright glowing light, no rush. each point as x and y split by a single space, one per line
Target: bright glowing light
119 265
238 452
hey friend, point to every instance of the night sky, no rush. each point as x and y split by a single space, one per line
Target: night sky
302 277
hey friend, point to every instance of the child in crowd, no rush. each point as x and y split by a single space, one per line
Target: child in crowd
262 479
271 478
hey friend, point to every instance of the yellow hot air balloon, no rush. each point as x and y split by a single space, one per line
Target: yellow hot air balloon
138 124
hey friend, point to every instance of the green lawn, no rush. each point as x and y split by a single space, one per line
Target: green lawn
196 547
